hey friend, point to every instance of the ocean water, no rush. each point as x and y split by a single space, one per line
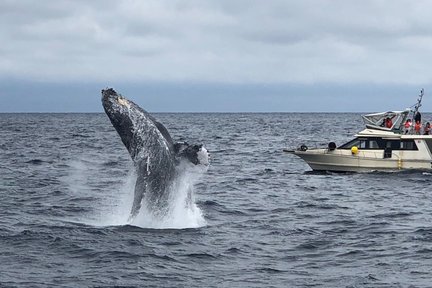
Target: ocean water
259 217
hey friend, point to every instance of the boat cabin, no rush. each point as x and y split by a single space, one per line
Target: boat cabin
379 143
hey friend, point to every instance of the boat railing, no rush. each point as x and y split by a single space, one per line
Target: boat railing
396 119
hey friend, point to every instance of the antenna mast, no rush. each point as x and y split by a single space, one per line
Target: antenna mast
418 105
416 108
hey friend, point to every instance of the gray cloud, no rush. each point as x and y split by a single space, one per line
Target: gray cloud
217 41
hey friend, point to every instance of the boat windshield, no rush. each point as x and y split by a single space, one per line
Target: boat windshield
388 121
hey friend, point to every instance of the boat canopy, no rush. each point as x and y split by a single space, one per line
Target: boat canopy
378 120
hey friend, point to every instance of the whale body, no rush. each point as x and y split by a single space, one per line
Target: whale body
152 150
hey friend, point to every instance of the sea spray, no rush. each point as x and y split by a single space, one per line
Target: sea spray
182 210
102 207
111 207
118 205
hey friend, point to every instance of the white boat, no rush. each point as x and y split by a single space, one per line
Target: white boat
376 148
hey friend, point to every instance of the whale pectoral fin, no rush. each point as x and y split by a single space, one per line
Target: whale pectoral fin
140 189
164 133
136 206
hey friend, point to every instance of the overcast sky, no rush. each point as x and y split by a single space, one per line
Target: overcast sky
220 55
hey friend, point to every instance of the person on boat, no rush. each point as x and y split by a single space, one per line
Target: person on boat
417 127
407 125
427 129
417 117
388 122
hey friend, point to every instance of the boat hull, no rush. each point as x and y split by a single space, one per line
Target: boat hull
345 161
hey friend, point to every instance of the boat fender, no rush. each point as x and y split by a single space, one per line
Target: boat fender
331 146
303 148
354 150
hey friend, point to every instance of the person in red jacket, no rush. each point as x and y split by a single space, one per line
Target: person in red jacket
407 125
417 127
388 122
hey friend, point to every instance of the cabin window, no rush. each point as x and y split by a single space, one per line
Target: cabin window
408 145
393 144
379 143
363 143
401 144
359 142
373 144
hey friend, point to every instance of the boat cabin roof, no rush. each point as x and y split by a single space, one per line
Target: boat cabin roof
376 133
389 134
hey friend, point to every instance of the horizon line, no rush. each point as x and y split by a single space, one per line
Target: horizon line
204 112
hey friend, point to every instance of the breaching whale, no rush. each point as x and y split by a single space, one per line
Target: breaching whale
153 152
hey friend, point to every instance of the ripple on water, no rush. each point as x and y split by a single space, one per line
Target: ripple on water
271 221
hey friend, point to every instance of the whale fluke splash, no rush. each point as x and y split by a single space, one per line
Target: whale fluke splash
153 152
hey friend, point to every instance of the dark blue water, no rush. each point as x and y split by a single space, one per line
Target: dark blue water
262 218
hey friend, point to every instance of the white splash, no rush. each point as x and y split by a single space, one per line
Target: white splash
114 204
116 208
182 211
203 156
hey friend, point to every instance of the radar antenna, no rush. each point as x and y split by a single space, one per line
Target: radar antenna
417 107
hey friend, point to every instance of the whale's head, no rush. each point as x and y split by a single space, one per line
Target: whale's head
121 113
116 106
132 122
